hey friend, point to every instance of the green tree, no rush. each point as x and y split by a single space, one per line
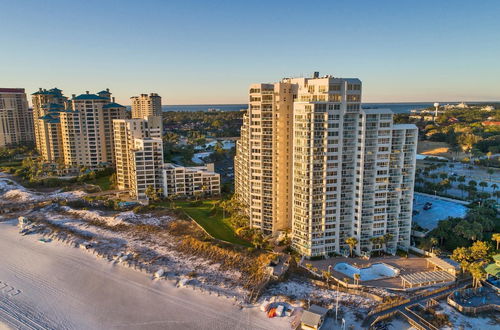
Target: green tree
357 277
483 184
352 242
434 242
496 237
478 273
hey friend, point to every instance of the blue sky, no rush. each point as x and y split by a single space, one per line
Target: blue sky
193 52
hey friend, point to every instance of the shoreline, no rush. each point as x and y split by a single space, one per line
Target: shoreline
59 254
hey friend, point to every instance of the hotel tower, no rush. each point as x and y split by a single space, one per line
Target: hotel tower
146 105
310 159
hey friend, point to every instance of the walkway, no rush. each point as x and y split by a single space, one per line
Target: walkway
420 299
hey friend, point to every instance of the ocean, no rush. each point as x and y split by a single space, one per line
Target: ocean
395 107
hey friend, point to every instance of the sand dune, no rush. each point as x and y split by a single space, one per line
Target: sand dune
53 286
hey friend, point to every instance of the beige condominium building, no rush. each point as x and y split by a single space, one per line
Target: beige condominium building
76 132
139 154
190 181
310 159
146 105
16 119
87 129
47 107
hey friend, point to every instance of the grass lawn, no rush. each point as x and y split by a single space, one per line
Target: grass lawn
215 225
103 182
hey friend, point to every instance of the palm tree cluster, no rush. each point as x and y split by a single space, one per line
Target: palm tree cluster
473 259
425 181
476 225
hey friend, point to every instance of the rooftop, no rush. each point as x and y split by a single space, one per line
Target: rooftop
89 97
113 105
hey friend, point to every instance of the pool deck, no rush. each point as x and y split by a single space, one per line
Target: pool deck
408 265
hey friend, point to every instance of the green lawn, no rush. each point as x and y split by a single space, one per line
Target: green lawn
103 182
215 225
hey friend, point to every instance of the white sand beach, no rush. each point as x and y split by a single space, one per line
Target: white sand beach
54 286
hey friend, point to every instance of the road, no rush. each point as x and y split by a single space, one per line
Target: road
54 286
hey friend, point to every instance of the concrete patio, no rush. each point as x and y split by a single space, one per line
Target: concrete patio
409 265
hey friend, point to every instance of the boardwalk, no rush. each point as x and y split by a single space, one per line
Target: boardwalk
410 316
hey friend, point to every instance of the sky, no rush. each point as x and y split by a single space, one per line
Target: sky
209 52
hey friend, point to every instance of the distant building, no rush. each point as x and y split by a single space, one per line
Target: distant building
190 181
146 105
16 119
311 160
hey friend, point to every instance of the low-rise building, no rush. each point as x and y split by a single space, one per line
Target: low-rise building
190 181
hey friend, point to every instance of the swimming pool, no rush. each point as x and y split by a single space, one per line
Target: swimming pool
374 272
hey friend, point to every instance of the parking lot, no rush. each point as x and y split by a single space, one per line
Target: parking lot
440 210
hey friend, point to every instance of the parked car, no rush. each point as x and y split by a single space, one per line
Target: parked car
427 207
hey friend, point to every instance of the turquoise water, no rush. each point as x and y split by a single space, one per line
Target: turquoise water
374 272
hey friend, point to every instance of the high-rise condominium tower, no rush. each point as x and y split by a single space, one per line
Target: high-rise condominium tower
312 160
76 132
146 105
16 120
47 107
139 154
87 129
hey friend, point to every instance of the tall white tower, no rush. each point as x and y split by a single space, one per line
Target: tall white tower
436 105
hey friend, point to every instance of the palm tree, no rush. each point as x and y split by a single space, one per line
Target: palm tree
462 256
494 186
490 172
483 184
352 242
386 238
434 242
478 273
326 276
497 194
462 188
357 277
472 183
496 237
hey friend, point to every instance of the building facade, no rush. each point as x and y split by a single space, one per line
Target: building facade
16 119
146 105
76 132
328 177
138 154
190 181
47 107
87 129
